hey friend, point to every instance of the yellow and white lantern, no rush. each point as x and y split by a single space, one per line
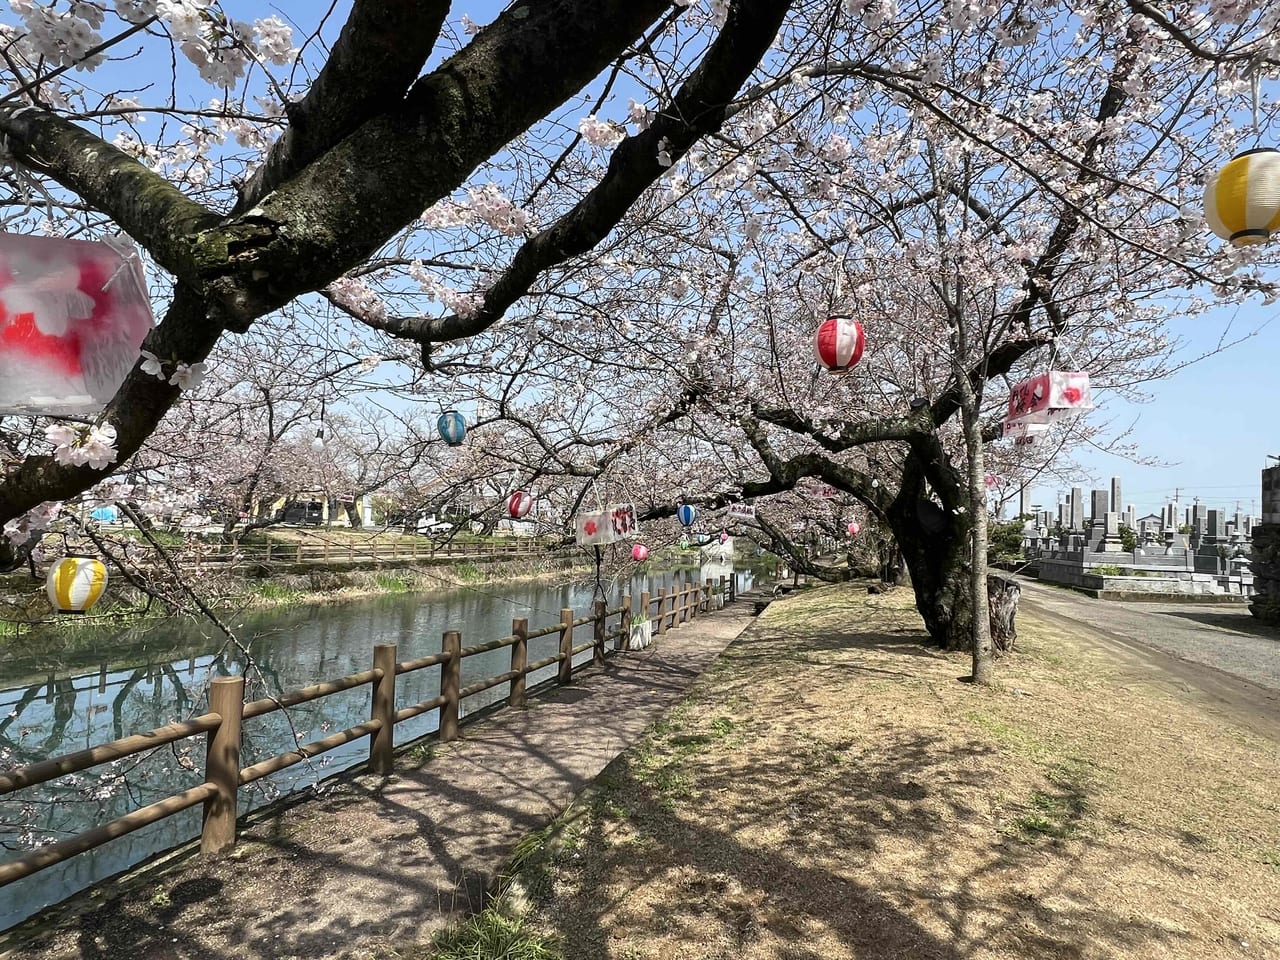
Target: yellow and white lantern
1242 200
75 584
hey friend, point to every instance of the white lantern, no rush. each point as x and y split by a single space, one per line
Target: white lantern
75 584
1242 200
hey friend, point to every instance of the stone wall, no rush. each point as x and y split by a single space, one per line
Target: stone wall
1266 573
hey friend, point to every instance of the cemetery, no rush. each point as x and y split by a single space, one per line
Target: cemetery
1084 547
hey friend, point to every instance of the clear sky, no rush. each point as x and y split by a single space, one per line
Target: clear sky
1211 425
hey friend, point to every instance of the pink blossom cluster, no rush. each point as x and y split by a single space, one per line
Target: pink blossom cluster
93 446
32 523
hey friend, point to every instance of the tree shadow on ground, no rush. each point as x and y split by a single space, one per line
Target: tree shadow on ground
1238 622
799 842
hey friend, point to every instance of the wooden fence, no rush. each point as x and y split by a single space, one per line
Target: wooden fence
349 551
221 726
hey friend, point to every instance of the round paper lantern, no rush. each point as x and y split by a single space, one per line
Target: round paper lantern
838 343
854 529
519 504
74 584
452 427
1242 200
686 514
639 553
724 538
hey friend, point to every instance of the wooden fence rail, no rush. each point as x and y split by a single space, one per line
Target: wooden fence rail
221 726
406 548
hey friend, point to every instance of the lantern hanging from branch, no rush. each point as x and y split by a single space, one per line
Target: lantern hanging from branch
453 429
639 553
838 344
519 504
1242 200
854 528
75 584
1049 397
686 513
724 538
73 315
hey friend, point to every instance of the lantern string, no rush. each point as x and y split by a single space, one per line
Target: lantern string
1253 91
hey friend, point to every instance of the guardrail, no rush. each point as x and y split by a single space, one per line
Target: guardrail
228 711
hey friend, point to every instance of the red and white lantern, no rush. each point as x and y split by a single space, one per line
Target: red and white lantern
838 344
855 528
639 553
1051 396
519 504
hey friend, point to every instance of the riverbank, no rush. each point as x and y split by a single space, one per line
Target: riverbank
829 789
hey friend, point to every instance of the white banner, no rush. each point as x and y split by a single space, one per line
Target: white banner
742 511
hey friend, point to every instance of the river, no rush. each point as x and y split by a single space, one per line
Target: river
143 678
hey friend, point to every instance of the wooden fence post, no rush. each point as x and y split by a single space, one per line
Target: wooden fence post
519 660
450 684
724 591
566 644
711 587
621 642
597 655
297 556
644 605
382 743
222 765
684 603
662 611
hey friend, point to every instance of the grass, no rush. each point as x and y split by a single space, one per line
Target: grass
829 789
490 935
390 583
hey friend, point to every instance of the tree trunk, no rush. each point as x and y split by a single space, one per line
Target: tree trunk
983 665
1003 594
934 547
353 514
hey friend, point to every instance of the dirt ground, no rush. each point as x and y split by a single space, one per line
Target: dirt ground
830 789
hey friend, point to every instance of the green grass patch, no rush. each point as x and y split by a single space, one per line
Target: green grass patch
468 572
489 935
1058 815
390 583
270 590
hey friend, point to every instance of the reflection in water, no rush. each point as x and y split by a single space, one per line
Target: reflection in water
164 677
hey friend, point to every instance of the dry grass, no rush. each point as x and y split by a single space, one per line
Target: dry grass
830 790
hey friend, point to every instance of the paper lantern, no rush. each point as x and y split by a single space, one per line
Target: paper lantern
74 584
686 514
854 529
639 553
519 504
1242 200
453 429
73 315
1049 397
838 344
724 538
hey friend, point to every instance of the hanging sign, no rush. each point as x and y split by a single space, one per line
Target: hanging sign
622 516
73 315
822 491
1050 396
1024 433
594 529
742 511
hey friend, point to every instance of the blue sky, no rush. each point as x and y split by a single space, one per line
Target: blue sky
1211 425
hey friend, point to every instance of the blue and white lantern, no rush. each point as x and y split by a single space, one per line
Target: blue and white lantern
686 514
452 427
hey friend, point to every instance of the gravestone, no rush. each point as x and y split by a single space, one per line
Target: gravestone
1099 506
1116 499
1077 509
1214 528
1109 542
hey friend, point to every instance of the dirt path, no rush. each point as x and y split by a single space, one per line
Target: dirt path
829 790
1220 657
380 863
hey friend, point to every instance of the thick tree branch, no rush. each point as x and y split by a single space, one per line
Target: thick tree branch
376 58
698 109
145 205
